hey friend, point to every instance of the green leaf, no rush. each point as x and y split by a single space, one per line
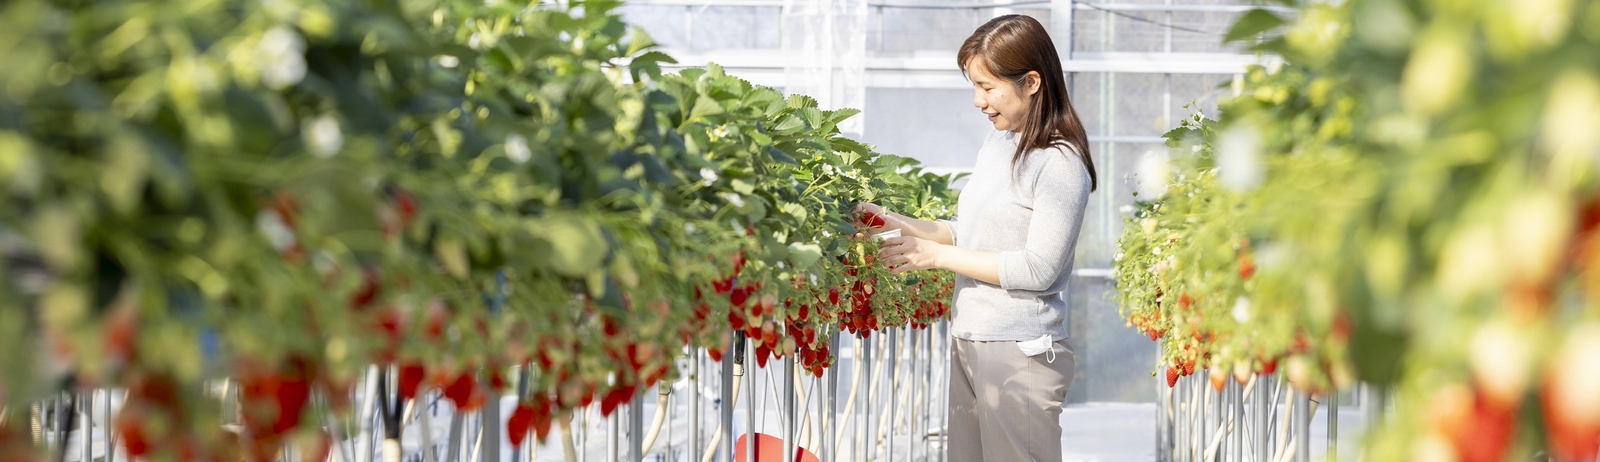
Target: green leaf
813 116
1252 23
649 64
641 41
801 101
761 139
788 124
576 244
705 106
795 210
804 255
780 156
842 114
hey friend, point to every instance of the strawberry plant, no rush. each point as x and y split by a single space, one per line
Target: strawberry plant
1408 201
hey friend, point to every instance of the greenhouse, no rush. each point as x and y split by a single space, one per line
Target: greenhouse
819 230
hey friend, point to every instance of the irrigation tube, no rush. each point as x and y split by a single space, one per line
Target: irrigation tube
568 450
660 420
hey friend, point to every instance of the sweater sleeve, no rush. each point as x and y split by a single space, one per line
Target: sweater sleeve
1060 190
951 225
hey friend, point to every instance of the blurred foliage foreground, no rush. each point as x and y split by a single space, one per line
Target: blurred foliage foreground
284 192
1410 200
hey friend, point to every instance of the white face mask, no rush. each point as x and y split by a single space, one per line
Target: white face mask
1039 345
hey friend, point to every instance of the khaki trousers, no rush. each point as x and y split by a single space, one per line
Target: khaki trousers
1004 406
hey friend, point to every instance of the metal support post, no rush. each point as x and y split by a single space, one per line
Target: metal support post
1302 427
790 417
1333 426
694 405
889 338
636 427
725 404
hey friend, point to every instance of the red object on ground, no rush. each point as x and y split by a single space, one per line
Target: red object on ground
768 449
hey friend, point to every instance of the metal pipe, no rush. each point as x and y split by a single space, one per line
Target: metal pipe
111 446
1333 426
890 337
426 419
694 406
732 374
636 425
86 429
789 414
927 386
750 410
613 432
850 403
865 426
1302 428
830 419
453 451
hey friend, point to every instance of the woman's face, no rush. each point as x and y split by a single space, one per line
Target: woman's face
1004 103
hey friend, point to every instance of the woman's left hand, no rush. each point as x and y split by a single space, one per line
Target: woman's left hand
901 254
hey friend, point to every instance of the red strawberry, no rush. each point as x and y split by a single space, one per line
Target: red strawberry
1571 405
131 432
1485 433
1270 366
518 425
1247 266
463 391
872 220
762 352
833 295
740 296
769 334
1172 376
287 209
121 331
368 292
411 375
406 204
436 319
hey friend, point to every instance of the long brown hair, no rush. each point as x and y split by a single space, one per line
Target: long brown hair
1012 45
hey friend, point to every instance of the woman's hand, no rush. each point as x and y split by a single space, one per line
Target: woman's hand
901 254
875 218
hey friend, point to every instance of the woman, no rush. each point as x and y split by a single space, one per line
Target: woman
1011 247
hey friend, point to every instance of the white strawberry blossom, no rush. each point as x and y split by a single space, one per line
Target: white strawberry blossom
281 57
517 148
322 136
